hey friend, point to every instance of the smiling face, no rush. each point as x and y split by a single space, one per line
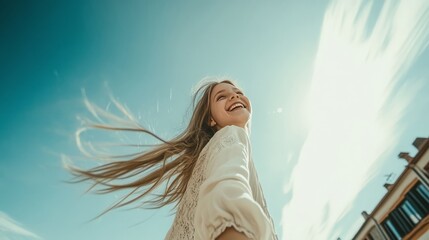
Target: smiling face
229 106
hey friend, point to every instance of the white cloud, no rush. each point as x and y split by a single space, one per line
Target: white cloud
9 228
356 69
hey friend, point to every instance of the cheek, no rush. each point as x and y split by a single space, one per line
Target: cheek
249 104
214 110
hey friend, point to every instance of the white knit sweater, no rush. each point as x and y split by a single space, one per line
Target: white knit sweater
223 191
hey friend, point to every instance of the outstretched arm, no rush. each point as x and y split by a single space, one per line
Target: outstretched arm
226 209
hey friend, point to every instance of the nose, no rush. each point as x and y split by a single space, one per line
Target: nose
234 95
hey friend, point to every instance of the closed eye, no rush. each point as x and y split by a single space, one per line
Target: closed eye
220 97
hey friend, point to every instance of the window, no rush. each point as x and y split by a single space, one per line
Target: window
409 212
391 230
424 192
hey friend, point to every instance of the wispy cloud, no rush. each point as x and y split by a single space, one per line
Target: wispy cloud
9 228
352 114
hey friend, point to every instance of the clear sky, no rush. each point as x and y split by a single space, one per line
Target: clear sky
338 90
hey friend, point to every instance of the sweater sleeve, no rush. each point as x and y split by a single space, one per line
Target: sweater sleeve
225 197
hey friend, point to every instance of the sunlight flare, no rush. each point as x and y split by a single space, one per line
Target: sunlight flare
351 112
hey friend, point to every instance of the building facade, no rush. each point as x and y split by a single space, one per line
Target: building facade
403 212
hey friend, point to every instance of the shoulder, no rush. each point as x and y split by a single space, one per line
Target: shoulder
226 138
229 135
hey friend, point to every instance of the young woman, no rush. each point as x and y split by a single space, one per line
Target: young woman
207 171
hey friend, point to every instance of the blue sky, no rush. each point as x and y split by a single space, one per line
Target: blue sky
296 60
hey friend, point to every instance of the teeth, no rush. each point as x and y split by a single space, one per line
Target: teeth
236 105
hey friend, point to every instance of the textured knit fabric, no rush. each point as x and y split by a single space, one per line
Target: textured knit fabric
224 191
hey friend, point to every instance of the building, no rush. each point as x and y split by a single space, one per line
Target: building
403 212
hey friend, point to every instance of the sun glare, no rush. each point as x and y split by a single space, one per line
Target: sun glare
356 69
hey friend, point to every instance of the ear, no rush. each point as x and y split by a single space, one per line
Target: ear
212 122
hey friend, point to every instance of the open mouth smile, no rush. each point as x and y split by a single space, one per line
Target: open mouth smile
236 106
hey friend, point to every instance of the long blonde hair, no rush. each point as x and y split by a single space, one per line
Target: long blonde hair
170 162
